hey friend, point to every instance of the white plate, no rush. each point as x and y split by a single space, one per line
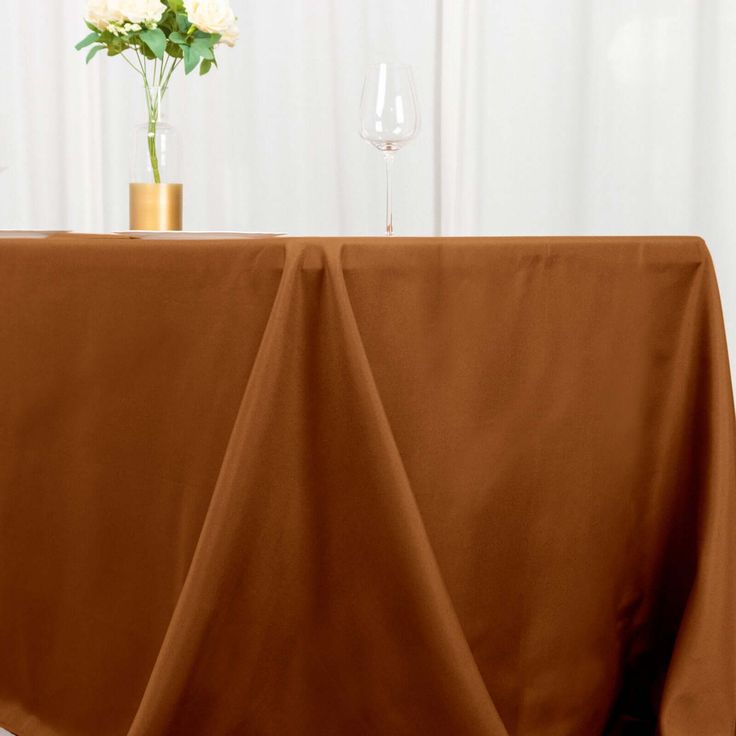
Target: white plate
35 234
194 235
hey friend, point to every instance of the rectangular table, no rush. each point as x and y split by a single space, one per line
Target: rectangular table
335 487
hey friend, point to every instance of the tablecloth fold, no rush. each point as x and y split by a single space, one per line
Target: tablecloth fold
317 487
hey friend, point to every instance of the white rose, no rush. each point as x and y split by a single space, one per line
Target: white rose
211 16
146 12
101 13
231 35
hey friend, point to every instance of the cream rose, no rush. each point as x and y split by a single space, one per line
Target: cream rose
101 13
145 12
231 35
211 16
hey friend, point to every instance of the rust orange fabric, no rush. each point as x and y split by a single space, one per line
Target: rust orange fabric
347 487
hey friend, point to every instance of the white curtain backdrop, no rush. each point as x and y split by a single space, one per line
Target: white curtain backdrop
566 117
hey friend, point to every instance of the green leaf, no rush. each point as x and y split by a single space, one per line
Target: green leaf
191 59
87 41
116 46
176 5
93 52
155 40
178 38
91 27
211 38
173 50
168 22
148 53
183 22
205 67
203 48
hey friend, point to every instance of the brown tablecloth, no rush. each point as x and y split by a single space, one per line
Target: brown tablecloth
335 487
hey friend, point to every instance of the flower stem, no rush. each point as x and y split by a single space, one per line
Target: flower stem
153 155
152 107
159 83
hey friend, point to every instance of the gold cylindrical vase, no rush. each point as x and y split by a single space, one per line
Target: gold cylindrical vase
156 206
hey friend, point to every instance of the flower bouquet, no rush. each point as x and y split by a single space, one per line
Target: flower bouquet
154 37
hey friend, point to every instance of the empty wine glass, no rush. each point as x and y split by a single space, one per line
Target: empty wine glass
389 116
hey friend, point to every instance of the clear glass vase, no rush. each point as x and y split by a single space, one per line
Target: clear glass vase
156 192
156 144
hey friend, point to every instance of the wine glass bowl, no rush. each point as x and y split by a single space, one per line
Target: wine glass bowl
389 110
389 116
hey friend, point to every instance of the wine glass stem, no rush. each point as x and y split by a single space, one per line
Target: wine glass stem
389 157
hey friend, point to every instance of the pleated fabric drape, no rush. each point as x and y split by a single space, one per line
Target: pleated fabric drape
330 486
